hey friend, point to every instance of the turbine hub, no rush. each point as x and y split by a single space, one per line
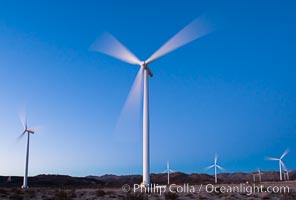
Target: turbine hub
145 66
30 131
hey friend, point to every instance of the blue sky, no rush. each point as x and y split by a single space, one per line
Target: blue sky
231 92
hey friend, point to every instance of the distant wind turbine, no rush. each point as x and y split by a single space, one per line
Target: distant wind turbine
281 163
254 177
109 45
168 171
286 172
286 175
259 174
28 131
215 166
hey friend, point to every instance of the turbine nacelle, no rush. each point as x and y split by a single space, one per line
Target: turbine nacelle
145 67
29 131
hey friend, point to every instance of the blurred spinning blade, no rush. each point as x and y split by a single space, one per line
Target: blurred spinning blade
129 123
109 45
196 29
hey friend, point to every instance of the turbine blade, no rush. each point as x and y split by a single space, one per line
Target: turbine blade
219 167
209 167
196 29
270 158
128 122
216 159
109 45
23 120
20 136
285 153
36 128
284 166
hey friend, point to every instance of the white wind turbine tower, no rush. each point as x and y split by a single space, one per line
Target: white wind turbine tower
215 166
28 131
281 163
168 171
109 45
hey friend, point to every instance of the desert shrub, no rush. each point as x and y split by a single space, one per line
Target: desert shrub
134 196
81 194
47 198
112 194
30 193
72 194
289 196
171 196
190 195
16 191
109 193
265 196
155 196
202 196
61 195
100 193
16 197
44 197
3 192
114 197
16 194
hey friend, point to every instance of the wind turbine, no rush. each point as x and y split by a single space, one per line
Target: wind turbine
109 45
28 131
254 177
286 172
215 166
281 163
168 170
259 174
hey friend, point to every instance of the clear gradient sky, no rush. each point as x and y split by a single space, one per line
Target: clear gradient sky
231 92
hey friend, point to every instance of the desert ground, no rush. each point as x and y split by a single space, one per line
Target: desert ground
184 192
182 186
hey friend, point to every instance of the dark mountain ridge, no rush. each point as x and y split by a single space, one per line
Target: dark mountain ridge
109 180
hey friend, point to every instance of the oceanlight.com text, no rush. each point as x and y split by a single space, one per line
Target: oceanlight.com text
242 188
